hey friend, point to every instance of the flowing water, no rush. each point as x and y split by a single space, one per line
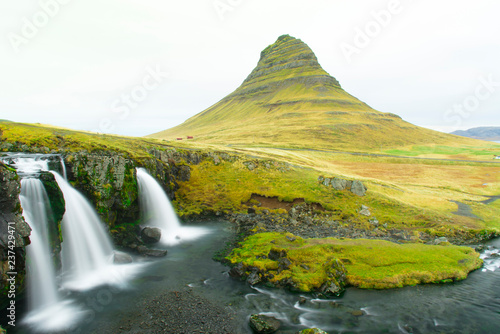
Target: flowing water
47 310
157 211
87 251
470 306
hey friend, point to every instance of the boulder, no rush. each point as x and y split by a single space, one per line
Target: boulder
150 235
326 182
237 271
339 184
263 324
312 331
358 188
121 258
276 254
144 251
253 278
365 211
440 240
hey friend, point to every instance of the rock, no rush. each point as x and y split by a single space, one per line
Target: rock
150 235
357 313
143 250
237 271
440 240
312 331
374 221
330 287
291 239
276 254
326 182
494 255
339 184
358 188
365 211
251 211
302 300
263 324
121 258
254 278
305 266
284 264
250 165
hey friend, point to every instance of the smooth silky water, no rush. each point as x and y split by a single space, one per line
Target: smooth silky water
470 306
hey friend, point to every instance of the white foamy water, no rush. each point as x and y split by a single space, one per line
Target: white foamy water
491 258
47 309
157 211
87 251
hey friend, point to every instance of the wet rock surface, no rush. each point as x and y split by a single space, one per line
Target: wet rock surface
263 324
150 235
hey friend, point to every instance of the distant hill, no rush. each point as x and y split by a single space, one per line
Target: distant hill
289 100
484 133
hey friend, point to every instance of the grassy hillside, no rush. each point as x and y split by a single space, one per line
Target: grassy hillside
290 101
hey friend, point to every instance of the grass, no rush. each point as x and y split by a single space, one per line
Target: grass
487 151
370 264
36 136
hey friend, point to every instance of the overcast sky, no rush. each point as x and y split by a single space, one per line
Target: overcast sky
136 67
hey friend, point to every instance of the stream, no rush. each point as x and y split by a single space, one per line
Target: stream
469 306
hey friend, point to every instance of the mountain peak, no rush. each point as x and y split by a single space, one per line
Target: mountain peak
288 59
289 100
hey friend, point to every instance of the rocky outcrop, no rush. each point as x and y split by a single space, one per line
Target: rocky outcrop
11 224
150 235
312 331
356 187
263 324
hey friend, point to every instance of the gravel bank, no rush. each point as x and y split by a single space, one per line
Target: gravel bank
177 312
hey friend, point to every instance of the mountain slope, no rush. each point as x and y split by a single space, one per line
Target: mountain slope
289 100
484 133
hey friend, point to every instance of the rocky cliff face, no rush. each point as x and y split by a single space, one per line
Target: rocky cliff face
11 223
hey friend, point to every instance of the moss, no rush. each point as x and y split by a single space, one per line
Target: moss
373 264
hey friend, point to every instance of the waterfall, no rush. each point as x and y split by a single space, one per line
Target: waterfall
47 310
87 250
41 277
157 211
63 167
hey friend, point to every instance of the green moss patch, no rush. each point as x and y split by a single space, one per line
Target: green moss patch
371 264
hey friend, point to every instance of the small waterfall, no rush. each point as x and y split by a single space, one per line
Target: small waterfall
157 211
63 167
87 250
41 277
47 309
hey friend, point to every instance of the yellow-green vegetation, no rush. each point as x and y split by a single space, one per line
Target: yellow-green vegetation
405 196
290 101
371 264
54 138
484 152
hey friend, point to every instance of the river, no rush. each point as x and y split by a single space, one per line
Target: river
469 306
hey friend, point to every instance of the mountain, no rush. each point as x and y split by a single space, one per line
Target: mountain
484 133
289 100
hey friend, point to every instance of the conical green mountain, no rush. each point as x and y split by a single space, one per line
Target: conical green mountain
289 100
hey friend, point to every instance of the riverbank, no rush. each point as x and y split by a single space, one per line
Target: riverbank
175 312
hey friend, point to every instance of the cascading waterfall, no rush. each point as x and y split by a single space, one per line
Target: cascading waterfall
87 251
41 277
63 167
47 310
157 211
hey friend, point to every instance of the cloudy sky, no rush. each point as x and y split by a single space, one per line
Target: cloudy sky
135 67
